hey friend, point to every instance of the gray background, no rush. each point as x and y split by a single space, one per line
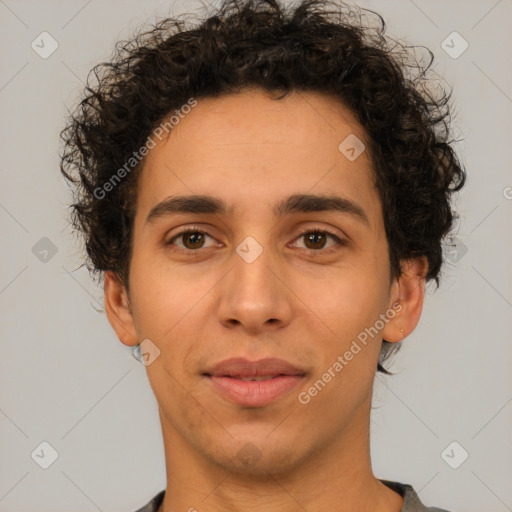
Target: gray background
67 380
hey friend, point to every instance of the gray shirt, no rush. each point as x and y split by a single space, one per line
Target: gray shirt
412 502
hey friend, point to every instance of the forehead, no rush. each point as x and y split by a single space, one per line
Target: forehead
244 147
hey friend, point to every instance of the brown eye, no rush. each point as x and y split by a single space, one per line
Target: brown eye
316 240
193 240
189 240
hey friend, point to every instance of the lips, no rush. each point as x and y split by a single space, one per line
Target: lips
254 383
244 369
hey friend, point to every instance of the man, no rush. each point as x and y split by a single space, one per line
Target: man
265 195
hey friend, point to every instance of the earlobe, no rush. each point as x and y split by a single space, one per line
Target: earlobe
118 309
409 290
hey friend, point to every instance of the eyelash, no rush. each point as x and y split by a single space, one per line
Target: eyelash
306 231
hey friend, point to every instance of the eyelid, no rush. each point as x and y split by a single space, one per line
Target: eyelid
339 239
186 230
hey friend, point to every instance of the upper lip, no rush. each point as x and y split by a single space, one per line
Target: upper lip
243 368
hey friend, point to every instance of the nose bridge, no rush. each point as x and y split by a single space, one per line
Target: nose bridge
252 294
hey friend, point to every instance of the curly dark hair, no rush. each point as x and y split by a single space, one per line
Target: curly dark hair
314 45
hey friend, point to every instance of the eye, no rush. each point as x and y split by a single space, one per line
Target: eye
316 239
191 239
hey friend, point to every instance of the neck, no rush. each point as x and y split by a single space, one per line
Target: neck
337 477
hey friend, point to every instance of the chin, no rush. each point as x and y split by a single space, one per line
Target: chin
256 455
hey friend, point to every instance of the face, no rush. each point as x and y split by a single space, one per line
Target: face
260 276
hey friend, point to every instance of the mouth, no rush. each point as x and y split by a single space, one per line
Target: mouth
254 384
250 379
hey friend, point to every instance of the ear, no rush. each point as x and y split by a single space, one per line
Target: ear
406 299
119 313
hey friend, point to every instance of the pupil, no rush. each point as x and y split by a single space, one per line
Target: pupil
313 236
315 239
196 239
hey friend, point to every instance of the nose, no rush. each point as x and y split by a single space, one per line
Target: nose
255 295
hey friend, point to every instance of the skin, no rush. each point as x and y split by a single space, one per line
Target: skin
299 301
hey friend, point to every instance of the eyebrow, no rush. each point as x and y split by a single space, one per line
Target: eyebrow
297 203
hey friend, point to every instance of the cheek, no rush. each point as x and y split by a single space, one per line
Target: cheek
166 309
347 355
165 294
173 307
348 301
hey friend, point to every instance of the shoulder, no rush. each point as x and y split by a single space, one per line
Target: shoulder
412 502
154 504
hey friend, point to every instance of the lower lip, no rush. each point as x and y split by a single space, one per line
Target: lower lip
253 393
